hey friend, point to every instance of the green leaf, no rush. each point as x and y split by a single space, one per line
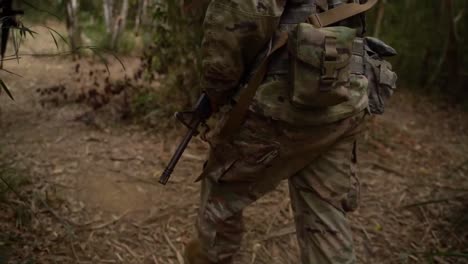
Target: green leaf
5 88
98 52
55 40
16 44
58 33
27 30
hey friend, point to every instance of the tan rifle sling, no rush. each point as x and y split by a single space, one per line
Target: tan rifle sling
340 13
332 16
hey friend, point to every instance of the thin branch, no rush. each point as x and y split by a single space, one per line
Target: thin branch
113 221
7 184
10 72
180 259
435 201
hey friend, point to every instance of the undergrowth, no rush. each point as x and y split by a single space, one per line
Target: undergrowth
14 210
11 182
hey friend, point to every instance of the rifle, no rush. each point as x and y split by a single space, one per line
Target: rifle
192 120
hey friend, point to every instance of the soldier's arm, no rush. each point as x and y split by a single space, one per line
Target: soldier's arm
235 31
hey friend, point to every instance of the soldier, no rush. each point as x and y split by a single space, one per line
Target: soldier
302 125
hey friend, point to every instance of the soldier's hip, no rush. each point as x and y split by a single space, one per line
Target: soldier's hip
271 150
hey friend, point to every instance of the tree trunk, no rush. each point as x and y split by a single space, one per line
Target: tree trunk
441 13
452 51
119 24
140 15
380 17
108 6
73 28
144 12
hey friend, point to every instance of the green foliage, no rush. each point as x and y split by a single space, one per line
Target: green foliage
127 43
16 34
143 102
420 31
174 54
38 11
91 21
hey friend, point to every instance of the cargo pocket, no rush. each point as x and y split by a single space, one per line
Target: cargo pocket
245 157
250 166
382 80
222 157
320 65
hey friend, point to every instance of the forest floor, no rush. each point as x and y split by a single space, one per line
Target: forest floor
86 182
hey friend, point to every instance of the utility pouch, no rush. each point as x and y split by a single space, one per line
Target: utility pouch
382 79
320 65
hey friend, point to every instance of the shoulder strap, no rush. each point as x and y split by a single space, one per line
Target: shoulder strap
237 114
340 13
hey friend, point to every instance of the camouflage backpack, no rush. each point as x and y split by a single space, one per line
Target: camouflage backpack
324 61
328 62
382 79
320 60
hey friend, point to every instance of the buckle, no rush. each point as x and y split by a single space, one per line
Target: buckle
315 21
329 73
358 47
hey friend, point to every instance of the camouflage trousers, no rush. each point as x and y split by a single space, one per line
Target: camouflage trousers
260 156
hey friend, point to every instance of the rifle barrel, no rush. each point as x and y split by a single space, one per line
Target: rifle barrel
177 155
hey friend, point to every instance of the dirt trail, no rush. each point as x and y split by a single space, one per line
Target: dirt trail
95 197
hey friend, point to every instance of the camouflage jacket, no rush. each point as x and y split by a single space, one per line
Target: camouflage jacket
235 32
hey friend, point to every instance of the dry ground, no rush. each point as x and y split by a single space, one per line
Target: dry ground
92 196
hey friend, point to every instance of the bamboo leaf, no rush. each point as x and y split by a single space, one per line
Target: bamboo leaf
98 52
10 72
28 30
5 88
58 33
15 45
55 40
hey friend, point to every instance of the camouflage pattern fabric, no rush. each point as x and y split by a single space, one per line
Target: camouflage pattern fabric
382 79
236 31
275 137
262 155
318 82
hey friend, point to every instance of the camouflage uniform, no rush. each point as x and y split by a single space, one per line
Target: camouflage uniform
274 137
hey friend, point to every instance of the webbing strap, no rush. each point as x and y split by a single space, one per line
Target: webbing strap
237 114
340 13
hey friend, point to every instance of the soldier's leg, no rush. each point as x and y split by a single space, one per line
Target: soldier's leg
227 186
239 172
220 224
320 195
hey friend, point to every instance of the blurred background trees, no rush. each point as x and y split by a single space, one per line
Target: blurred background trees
432 40
430 36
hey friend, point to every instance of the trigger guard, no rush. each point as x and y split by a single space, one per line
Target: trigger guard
180 116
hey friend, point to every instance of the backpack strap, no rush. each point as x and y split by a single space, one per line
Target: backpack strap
340 13
237 114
